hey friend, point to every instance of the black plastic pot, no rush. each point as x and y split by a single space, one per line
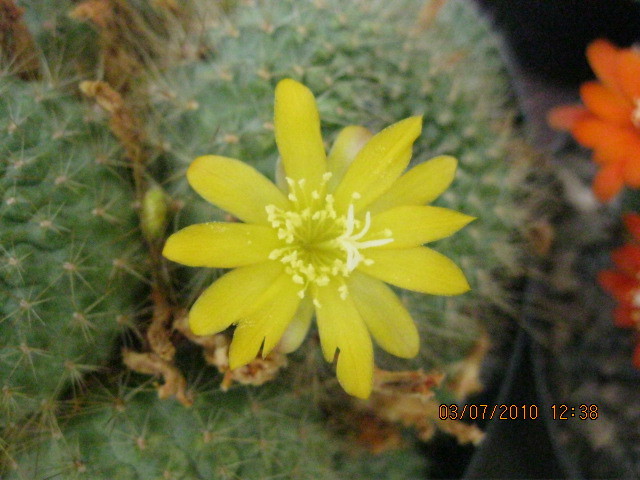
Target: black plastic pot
523 448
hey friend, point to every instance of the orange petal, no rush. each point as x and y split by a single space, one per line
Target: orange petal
603 56
631 169
632 223
617 284
623 316
608 182
606 154
629 73
565 117
627 259
601 157
606 103
590 131
616 144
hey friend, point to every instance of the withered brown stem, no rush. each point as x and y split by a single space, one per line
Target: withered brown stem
129 129
17 47
151 364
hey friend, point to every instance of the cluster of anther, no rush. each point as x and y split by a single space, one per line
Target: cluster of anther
635 302
318 243
635 115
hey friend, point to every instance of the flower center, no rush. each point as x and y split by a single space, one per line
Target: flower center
635 300
635 115
318 243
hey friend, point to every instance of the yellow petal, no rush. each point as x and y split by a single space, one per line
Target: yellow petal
231 296
411 225
420 185
297 330
386 318
378 165
341 327
348 143
221 245
420 269
281 177
266 323
297 129
235 187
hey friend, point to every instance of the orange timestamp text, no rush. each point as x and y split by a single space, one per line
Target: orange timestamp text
514 412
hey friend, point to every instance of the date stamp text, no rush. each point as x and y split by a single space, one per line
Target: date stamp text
471 411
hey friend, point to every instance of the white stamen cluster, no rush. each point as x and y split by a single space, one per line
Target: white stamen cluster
319 244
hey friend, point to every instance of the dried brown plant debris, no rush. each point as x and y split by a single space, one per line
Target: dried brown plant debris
541 236
257 372
158 333
123 121
428 13
377 435
130 132
216 353
464 432
174 6
464 376
151 364
408 382
406 399
135 41
127 44
17 48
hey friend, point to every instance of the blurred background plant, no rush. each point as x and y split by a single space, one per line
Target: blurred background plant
607 125
580 356
105 104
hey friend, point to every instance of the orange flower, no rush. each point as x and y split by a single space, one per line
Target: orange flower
609 121
623 283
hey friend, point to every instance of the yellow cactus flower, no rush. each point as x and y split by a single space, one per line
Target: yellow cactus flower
325 243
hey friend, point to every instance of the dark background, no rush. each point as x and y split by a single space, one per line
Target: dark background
544 44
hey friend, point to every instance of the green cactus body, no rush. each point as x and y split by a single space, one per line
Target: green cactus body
66 47
67 230
237 434
367 65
